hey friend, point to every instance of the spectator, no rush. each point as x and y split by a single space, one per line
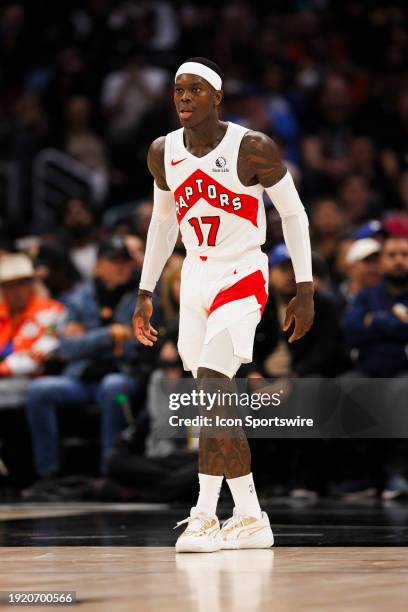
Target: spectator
356 199
363 268
340 267
377 323
327 222
364 162
98 354
56 270
29 327
317 354
167 309
80 235
167 462
170 291
136 247
141 218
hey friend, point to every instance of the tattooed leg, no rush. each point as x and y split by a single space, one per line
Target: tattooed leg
222 450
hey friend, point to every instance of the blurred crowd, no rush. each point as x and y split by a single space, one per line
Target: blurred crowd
93 80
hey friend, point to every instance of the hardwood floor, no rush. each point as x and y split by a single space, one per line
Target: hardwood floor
120 557
156 579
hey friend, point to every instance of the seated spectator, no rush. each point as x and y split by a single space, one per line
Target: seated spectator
340 267
376 329
327 222
170 291
356 198
166 310
363 268
136 247
97 351
365 161
56 270
376 324
160 467
79 235
29 325
319 353
141 218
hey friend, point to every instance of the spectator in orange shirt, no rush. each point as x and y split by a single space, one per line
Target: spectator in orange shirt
29 322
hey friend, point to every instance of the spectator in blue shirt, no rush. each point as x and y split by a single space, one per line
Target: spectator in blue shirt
98 354
376 324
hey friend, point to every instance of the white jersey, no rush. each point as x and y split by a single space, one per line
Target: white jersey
218 215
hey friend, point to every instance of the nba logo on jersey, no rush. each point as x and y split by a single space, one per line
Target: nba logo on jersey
221 164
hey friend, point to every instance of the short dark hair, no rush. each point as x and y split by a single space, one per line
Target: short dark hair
207 62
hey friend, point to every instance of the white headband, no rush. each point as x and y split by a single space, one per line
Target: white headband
200 70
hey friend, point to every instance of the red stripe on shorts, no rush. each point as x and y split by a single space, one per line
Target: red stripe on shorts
253 284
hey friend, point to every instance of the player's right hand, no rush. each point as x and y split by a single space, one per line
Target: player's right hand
144 332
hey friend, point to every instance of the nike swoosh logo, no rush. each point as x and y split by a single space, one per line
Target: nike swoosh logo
251 532
174 163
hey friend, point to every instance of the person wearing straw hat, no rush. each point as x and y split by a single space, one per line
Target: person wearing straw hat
29 322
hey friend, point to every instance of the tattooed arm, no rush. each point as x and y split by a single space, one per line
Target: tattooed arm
260 160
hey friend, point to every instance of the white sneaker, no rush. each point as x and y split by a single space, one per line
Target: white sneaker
201 535
246 532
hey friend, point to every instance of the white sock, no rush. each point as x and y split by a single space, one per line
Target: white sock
210 487
244 496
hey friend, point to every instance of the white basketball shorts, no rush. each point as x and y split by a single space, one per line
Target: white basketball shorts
218 295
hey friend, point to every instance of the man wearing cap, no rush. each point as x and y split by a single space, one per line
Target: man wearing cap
29 322
98 354
210 177
363 261
377 321
376 327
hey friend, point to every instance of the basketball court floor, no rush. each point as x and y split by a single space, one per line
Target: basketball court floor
327 556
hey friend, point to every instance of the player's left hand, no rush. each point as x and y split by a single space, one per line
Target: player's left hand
299 311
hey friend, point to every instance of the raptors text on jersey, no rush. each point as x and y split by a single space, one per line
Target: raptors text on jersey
218 215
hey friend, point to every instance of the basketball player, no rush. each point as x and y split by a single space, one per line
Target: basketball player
209 179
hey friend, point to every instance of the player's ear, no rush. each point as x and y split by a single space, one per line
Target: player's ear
218 96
